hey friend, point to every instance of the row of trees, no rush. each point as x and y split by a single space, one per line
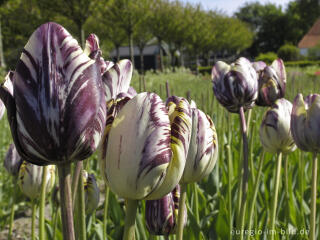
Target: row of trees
185 28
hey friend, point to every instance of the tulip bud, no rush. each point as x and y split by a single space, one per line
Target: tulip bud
203 148
57 112
162 214
30 179
91 192
12 161
145 154
275 133
272 83
305 122
235 85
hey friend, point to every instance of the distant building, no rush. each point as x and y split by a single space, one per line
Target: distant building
151 55
311 39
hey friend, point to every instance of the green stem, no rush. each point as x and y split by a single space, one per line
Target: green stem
183 195
230 191
75 180
196 202
245 171
42 203
105 211
80 210
286 184
255 193
55 221
12 212
275 197
33 219
313 198
66 201
130 221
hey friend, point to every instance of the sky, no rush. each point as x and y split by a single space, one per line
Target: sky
230 6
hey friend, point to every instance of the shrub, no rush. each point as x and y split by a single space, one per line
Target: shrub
289 52
266 57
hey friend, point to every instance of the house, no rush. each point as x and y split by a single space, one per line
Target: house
151 55
311 39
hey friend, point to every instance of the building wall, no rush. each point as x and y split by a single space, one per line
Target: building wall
304 51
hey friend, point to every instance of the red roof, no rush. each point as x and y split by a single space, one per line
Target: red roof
312 38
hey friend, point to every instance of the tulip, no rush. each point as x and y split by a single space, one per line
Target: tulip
12 161
57 111
272 82
306 134
33 181
8 85
161 214
275 133
91 191
235 85
145 154
202 153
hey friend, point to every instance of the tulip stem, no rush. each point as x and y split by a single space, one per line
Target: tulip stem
66 201
130 221
105 211
286 184
80 210
12 212
183 195
75 180
33 219
275 196
245 170
42 203
313 198
255 193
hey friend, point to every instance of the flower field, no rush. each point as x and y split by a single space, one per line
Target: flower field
213 208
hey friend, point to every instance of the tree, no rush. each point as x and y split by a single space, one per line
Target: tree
2 61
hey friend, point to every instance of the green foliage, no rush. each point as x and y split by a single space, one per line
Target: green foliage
267 57
288 52
303 63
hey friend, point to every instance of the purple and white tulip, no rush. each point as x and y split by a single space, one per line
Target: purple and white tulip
161 215
272 82
275 133
145 154
12 161
57 111
305 119
30 179
203 147
8 85
235 85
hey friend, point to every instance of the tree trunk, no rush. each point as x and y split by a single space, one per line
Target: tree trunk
118 53
161 54
81 35
2 62
141 60
181 58
173 58
131 53
197 64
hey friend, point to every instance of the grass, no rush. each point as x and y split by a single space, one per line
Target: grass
217 209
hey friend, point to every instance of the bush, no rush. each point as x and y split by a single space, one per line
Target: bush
289 52
305 63
267 57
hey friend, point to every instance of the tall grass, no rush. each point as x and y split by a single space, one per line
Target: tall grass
217 194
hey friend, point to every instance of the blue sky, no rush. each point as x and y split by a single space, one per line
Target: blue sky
230 6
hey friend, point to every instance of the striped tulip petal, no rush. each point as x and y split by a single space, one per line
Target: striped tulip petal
58 102
30 179
203 149
272 83
305 122
117 79
12 161
139 153
235 85
9 87
275 133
